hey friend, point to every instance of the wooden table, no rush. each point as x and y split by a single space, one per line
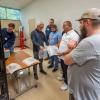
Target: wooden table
18 57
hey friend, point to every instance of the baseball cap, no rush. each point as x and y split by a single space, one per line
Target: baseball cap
93 13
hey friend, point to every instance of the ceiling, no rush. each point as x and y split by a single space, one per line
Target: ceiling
18 4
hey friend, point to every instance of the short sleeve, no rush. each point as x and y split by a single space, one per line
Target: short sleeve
75 37
83 52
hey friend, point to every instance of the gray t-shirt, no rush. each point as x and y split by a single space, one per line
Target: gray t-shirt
84 75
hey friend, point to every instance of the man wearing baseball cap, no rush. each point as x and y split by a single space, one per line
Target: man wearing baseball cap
84 60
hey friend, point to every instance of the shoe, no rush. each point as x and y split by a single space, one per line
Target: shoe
43 72
50 66
49 62
46 58
60 78
54 70
36 76
64 87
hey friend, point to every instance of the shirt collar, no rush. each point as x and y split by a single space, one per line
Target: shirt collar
69 32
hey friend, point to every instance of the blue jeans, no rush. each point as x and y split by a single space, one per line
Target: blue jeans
54 61
11 49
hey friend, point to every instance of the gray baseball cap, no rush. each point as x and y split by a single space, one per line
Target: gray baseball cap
93 13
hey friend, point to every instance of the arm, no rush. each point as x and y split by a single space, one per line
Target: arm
68 59
81 54
59 39
9 43
34 39
71 45
45 40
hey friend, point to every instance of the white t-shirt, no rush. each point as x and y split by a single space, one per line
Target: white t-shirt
71 35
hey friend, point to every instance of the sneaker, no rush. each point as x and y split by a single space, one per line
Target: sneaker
46 58
36 76
43 72
55 69
60 78
64 87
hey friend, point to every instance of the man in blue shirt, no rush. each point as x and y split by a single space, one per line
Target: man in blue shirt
54 40
8 37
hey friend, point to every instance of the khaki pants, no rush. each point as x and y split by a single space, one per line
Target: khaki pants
71 97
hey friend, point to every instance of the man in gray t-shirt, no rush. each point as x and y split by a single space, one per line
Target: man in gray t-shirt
84 60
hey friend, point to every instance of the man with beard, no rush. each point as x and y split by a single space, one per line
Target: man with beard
84 60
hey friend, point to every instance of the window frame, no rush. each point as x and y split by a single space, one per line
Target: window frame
6 17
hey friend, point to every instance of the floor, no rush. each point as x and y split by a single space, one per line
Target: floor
48 86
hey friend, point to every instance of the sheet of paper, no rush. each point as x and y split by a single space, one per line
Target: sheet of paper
29 61
52 50
63 46
11 68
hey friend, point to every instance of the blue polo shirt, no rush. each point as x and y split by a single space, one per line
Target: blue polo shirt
54 38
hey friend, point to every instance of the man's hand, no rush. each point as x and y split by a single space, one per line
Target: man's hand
6 49
72 44
42 48
59 54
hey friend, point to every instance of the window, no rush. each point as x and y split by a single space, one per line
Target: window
13 14
7 13
2 13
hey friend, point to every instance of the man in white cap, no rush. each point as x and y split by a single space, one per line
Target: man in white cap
84 60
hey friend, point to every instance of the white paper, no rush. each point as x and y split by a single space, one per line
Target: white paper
63 47
52 50
11 68
29 61
41 54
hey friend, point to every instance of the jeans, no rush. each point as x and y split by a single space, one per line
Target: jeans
54 61
64 69
11 49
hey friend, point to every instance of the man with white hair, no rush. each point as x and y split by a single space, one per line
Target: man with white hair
38 38
84 60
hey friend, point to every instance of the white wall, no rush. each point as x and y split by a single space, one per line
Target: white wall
60 10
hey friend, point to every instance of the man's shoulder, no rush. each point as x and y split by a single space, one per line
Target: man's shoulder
48 26
73 32
4 29
94 39
90 38
58 33
34 31
86 42
13 35
51 33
